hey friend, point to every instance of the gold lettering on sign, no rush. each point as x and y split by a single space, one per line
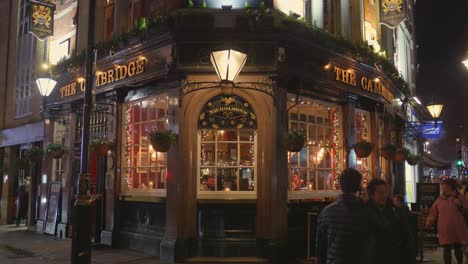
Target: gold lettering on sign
345 76
67 90
368 84
107 77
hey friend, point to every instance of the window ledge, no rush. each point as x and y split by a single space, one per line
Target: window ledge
299 195
226 195
144 196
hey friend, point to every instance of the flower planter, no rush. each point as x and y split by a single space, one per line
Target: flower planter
162 140
401 155
412 159
362 153
161 145
363 149
388 151
294 142
56 154
34 154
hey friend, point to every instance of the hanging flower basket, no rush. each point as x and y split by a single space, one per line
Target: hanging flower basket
412 159
402 154
294 141
101 146
55 151
162 140
388 151
363 148
34 154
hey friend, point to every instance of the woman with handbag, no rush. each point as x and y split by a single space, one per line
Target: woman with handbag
448 210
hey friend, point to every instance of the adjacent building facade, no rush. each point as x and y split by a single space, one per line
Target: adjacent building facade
228 187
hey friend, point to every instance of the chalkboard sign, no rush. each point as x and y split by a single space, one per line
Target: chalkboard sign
427 194
52 207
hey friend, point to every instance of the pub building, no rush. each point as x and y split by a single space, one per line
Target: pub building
228 187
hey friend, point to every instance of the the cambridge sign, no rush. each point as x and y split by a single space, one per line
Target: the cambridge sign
114 74
364 82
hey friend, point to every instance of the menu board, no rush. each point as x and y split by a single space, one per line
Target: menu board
427 194
52 207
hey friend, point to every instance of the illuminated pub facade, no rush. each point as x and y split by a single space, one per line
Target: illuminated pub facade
228 187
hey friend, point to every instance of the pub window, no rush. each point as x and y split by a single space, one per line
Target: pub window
362 119
144 168
317 166
227 149
135 9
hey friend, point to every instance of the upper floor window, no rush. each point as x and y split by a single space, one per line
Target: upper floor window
317 166
144 169
60 50
371 36
109 19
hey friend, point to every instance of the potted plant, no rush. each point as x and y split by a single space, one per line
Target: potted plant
161 140
402 154
363 148
412 159
101 146
294 141
55 150
388 151
34 153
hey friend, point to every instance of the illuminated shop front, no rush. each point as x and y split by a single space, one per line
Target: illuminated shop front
228 187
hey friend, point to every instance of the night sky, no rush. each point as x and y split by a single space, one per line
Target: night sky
442 37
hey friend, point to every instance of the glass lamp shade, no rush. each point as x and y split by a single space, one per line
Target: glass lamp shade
228 63
465 62
45 85
435 110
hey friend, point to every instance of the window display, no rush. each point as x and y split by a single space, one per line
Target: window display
143 167
227 161
317 165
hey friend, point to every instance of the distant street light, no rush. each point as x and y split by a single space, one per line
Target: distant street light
435 110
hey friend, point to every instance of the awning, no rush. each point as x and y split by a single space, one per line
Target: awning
430 162
22 135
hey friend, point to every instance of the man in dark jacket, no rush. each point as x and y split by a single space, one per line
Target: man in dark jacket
392 241
343 228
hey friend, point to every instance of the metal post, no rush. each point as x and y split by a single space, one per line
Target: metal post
81 240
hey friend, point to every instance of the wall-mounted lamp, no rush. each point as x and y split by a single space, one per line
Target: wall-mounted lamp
45 85
228 64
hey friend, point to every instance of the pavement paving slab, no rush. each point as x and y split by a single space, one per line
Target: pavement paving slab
20 246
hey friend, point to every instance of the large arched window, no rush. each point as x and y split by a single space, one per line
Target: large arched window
227 149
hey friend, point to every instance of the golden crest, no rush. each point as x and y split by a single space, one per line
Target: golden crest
41 15
228 100
392 6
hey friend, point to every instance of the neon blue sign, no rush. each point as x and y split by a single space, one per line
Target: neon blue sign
431 131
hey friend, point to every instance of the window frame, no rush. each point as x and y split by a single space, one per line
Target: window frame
304 194
241 195
125 190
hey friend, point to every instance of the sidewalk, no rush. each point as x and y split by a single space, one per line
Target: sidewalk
435 256
19 246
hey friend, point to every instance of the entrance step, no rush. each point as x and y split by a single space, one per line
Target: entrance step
236 260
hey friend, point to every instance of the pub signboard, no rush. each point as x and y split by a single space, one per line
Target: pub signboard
41 19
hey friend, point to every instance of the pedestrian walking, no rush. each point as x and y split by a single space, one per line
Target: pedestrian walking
22 209
448 211
343 226
392 240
